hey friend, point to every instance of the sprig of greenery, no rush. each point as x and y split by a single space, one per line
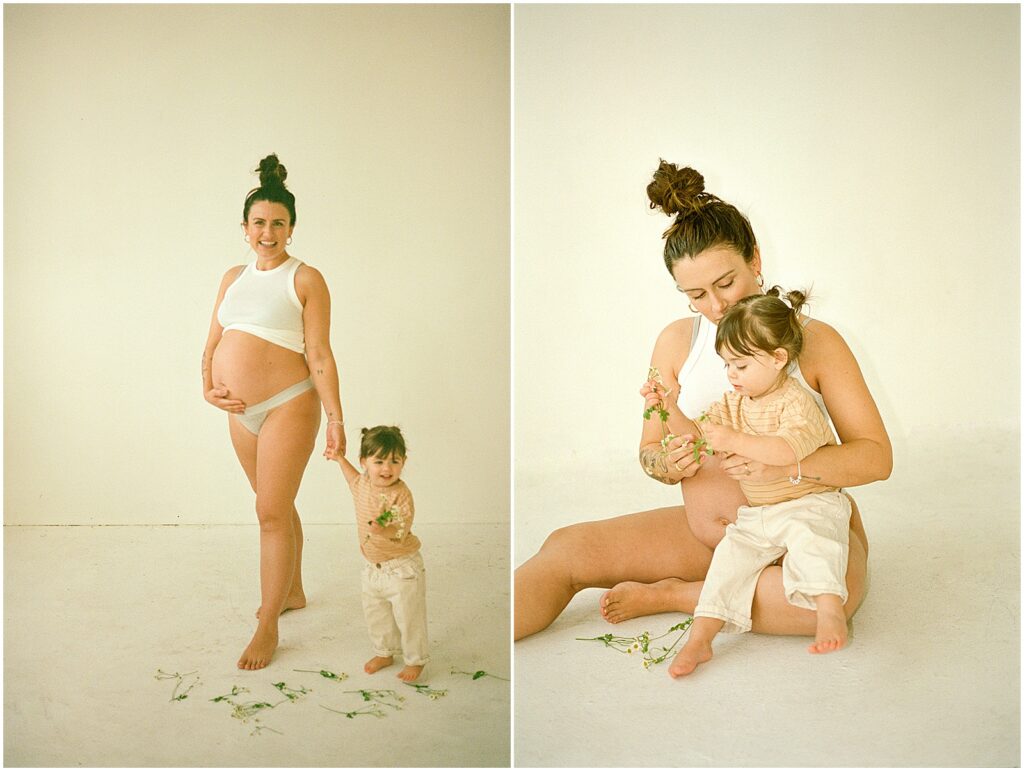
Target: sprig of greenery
243 712
478 674
325 673
382 698
426 690
291 693
375 711
175 696
650 654
653 374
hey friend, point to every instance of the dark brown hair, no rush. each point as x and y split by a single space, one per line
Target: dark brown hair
702 220
382 442
272 176
763 322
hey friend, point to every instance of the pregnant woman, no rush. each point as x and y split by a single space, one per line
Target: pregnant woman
268 364
655 561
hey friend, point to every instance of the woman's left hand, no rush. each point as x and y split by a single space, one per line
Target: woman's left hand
335 441
746 470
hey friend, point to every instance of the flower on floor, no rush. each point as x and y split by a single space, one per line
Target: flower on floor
324 673
175 696
384 698
426 690
374 711
291 693
248 710
478 674
651 655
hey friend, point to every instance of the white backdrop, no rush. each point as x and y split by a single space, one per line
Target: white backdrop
875 149
130 133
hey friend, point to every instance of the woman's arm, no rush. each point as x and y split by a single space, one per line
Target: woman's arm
316 319
218 397
865 455
670 351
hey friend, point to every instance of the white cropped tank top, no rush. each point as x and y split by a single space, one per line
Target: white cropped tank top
703 380
264 303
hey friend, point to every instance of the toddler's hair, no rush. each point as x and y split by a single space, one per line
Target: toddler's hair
382 442
762 323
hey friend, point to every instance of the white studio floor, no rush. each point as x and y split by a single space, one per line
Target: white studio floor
931 676
92 613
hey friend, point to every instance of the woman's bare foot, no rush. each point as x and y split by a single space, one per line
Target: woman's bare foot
630 599
377 663
832 630
260 650
410 672
294 602
693 653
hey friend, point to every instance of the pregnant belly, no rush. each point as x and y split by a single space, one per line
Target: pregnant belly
712 499
253 369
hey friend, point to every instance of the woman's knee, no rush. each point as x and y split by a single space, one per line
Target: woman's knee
562 553
274 514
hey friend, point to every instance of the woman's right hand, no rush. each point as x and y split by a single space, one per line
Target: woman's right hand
218 397
654 394
680 458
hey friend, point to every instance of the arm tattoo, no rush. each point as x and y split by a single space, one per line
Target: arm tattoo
655 464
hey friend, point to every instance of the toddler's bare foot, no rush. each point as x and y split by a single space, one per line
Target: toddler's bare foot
832 630
410 672
260 650
294 602
630 599
377 663
693 653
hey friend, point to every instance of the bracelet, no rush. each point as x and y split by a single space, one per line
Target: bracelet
339 422
799 474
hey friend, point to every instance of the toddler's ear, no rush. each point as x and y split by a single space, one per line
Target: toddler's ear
780 358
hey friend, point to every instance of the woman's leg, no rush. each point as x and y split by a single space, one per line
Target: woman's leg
283 448
772 613
647 547
244 442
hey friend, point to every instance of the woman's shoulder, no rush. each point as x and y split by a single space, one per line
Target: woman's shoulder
676 335
306 274
824 352
230 275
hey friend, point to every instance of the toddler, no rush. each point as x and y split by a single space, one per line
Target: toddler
393 580
771 418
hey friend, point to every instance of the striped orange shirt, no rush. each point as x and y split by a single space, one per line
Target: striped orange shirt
397 539
794 416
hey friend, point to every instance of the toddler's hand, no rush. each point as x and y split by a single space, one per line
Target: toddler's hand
718 436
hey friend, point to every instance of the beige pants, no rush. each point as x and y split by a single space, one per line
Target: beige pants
395 606
814 534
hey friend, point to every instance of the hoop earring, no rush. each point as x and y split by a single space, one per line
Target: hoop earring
692 309
760 280
288 242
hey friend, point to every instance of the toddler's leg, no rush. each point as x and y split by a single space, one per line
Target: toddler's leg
832 630
697 649
380 623
728 591
410 607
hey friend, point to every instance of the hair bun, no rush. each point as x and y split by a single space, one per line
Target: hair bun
364 431
272 172
675 190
